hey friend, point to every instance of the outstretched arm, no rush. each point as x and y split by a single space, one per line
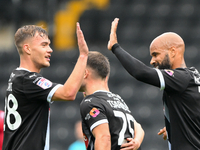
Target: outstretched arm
135 68
69 90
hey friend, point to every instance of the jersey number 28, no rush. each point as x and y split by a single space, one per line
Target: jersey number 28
12 111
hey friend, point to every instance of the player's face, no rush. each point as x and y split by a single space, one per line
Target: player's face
160 59
40 51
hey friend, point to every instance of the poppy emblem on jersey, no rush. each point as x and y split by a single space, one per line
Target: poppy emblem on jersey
44 83
94 112
169 72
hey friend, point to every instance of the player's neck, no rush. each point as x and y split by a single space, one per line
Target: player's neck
96 86
179 65
29 66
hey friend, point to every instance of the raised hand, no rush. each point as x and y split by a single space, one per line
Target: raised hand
83 48
113 35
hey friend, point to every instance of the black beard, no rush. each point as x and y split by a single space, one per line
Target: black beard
165 64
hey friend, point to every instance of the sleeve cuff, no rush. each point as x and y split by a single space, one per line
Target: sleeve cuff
98 123
52 92
114 47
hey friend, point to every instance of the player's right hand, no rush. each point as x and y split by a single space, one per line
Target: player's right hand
164 132
83 48
113 35
132 144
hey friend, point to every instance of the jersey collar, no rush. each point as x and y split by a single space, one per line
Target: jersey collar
101 91
23 69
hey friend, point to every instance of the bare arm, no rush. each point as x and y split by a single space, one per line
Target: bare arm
102 137
69 90
139 133
134 143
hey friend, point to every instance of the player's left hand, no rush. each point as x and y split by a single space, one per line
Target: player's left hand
113 35
132 144
83 48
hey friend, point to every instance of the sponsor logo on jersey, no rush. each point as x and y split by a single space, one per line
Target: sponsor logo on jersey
44 83
169 72
94 112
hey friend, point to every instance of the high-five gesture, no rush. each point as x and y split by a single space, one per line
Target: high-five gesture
83 48
113 35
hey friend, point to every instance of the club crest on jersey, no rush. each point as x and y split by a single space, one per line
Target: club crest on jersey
169 72
94 112
44 83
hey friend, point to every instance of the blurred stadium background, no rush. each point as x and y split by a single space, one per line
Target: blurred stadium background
140 22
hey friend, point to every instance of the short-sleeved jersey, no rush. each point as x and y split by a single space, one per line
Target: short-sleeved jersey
26 125
106 107
181 100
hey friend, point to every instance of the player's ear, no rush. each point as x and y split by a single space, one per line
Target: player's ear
86 73
172 52
26 49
